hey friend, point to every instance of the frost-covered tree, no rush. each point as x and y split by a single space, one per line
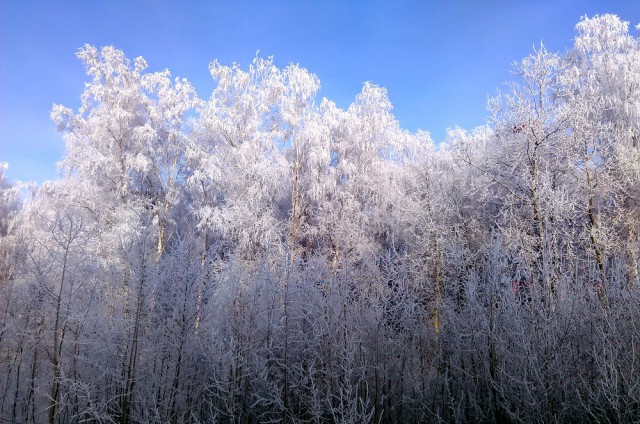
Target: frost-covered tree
127 142
602 89
266 256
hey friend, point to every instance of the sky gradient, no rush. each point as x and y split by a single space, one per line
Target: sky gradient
438 60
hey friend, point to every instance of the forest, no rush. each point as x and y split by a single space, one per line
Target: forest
265 256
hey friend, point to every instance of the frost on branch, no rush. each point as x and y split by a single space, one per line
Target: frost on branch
263 255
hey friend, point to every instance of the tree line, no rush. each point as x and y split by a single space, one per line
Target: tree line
266 256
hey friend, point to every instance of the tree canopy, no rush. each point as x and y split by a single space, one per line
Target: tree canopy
264 255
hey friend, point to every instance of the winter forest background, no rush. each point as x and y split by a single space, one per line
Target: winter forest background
264 256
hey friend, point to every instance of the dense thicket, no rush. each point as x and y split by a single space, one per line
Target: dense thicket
260 257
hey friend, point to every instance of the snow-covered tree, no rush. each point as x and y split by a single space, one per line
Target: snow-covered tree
266 256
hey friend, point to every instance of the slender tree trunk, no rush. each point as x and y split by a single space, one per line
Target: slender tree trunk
296 201
602 291
16 394
58 338
438 296
30 404
539 234
631 248
125 409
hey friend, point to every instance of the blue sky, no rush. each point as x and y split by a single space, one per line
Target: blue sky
438 60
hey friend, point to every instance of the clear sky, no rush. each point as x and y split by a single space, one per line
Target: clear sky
439 60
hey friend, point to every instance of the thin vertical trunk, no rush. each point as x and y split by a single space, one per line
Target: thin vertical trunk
493 363
285 389
539 233
602 293
176 383
131 367
17 390
183 335
161 230
632 253
30 404
296 200
438 296
125 406
58 338
10 282
162 220
7 383
200 288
